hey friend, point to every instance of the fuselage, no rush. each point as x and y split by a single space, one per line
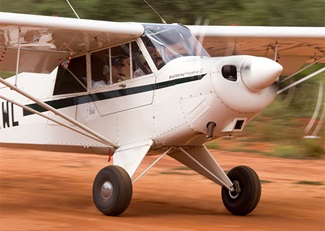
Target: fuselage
186 95
186 102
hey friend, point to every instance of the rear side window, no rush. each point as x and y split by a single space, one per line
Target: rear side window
71 78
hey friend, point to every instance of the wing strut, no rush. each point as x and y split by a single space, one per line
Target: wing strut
47 117
18 56
297 72
276 52
150 166
73 9
63 116
302 80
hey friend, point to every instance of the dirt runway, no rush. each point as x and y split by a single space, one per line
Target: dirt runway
42 190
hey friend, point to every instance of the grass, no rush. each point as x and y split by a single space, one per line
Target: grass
213 145
4 74
265 181
176 173
181 168
179 171
299 148
306 182
287 151
246 150
305 149
236 146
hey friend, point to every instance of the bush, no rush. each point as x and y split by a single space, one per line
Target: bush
304 148
287 151
313 148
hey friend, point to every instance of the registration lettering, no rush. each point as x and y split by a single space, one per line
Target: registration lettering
8 115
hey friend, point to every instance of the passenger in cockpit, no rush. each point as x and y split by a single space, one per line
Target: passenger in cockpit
156 56
143 67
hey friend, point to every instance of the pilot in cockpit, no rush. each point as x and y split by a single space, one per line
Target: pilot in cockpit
117 72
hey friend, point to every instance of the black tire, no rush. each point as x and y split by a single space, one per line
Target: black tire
243 202
116 199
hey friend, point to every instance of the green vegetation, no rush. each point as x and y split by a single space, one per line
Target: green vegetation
182 170
284 122
305 182
213 145
265 181
221 12
4 74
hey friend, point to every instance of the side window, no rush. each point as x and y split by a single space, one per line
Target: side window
110 66
71 78
140 64
155 51
118 64
99 67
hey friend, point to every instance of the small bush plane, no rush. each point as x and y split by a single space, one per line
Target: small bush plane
134 89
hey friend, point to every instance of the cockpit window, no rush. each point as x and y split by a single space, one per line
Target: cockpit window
117 64
110 66
168 42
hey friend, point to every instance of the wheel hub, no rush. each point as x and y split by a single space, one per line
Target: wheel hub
107 190
234 194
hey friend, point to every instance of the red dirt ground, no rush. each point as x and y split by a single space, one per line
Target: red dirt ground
42 190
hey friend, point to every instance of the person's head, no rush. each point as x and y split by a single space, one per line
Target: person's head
117 73
153 52
155 55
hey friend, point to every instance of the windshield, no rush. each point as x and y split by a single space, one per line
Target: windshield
168 42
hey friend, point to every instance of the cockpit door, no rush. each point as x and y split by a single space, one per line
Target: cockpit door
121 79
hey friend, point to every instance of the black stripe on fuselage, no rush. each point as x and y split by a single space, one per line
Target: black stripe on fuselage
76 100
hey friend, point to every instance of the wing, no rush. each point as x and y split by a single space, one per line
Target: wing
45 40
291 46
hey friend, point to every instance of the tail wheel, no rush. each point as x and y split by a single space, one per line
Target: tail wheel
247 192
112 190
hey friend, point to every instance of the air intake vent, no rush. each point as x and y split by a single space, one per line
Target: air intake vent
229 72
239 125
236 124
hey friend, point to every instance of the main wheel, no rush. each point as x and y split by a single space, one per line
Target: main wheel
247 192
112 190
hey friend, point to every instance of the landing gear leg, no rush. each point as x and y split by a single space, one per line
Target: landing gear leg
112 190
247 193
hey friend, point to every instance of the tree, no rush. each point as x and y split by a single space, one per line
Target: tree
221 12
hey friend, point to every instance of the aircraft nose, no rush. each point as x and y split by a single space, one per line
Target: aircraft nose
258 73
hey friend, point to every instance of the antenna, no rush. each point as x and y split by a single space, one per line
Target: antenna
73 9
163 20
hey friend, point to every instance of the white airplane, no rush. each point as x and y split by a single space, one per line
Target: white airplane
134 89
